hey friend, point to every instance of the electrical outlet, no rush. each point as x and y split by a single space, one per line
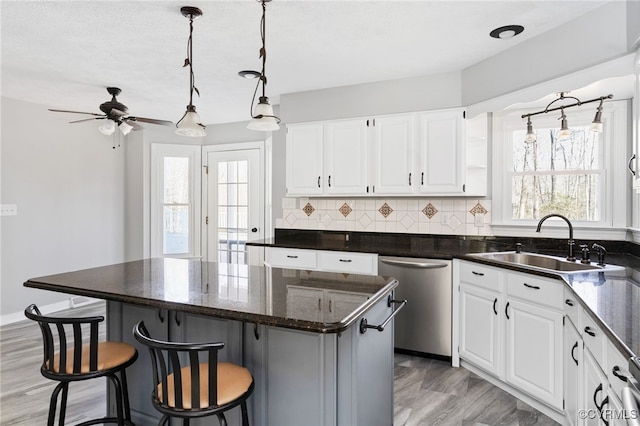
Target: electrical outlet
8 210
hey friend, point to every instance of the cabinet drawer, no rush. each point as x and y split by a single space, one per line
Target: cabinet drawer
593 338
533 289
291 258
616 368
354 263
480 275
572 307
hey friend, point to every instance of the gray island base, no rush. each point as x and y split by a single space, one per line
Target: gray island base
298 332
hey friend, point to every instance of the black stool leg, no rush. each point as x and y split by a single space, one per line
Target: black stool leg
63 403
116 385
222 419
125 394
53 404
245 415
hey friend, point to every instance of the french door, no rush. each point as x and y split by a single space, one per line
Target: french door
234 205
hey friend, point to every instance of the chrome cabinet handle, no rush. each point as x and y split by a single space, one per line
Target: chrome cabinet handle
633 172
363 323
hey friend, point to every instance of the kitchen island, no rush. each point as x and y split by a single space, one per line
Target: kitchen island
307 337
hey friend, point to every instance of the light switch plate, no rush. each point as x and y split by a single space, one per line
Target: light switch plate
8 209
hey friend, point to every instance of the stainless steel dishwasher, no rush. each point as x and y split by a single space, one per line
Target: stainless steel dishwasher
424 325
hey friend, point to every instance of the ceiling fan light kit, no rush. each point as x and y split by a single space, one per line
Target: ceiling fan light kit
190 124
262 117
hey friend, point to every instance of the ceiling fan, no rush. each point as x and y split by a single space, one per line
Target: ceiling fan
116 114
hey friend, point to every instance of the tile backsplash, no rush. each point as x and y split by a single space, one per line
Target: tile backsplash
404 215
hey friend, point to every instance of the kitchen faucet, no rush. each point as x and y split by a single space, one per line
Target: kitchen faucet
572 243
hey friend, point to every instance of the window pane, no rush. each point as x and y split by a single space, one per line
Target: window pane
575 196
175 231
580 151
176 180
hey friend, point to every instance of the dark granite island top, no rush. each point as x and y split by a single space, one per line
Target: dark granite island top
256 294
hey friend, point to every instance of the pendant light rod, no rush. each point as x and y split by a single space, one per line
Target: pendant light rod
563 107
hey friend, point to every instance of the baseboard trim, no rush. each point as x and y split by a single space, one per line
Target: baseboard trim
72 302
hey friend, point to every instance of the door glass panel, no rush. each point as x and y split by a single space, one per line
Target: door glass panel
232 232
175 231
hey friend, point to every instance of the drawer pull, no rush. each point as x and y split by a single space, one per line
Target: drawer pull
291 256
477 273
535 287
346 260
568 302
575 346
506 310
615 370
595 394
590 331
494 306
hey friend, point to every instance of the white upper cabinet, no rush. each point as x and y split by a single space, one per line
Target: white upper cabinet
442 152
304 159
346 157
397 155
394 149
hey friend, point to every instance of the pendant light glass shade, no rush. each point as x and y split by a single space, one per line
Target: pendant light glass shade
530 137
596 124
263 117
107 128
190 125
564 127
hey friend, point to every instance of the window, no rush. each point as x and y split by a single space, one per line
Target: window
175 209
576 176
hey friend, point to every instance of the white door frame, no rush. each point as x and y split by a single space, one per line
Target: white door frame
265 149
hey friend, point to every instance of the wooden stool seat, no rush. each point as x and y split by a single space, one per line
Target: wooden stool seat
110 355
233 382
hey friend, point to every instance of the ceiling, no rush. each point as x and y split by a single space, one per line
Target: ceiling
64 54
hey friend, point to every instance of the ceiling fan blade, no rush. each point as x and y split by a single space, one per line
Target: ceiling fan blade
151 121
88 119
76 112
116 111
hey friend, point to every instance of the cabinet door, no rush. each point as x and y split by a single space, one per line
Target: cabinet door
595 390
480 341
534 351
346 157
393 165
572 378
339 304
305 303
304 159
442 157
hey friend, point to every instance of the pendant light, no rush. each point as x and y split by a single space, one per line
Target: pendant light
564 127
530 137
263 118
190 124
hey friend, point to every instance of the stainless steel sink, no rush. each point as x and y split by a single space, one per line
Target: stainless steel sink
544 262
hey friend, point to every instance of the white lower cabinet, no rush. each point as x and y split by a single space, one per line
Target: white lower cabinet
572 354
513 333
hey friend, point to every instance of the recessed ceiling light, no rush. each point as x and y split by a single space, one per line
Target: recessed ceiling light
249 74
507 32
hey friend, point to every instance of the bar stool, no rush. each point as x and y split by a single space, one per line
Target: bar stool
189 382
70 361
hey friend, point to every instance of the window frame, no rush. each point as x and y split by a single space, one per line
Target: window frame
614 151
194 155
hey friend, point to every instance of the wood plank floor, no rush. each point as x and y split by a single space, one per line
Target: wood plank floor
427 392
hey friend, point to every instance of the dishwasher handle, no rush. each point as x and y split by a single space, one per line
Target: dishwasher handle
413 263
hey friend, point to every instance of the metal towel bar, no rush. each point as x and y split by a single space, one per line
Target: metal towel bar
363 322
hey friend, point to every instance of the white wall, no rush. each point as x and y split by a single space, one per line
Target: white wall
68 184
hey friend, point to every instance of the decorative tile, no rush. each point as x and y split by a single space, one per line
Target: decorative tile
478 208
308 209
453 222
345 209
430 211
365 220
407 221
290 218
385 210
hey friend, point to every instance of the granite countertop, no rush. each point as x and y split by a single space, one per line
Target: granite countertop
612 299
253 293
